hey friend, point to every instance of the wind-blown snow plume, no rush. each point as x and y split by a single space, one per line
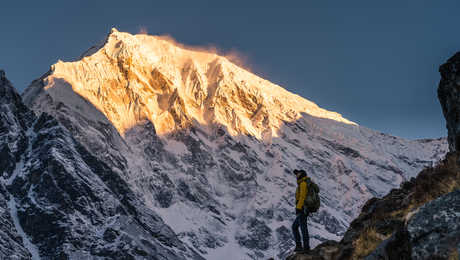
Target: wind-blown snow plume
143 30
233 55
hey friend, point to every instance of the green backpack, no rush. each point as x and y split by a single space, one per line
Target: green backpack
312 202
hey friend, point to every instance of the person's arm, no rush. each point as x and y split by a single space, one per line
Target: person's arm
303 195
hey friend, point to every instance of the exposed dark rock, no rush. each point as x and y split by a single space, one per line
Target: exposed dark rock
11 243
330 222
449 96
164 197
284 235
435 229
347 151
396 247
8 162
257 236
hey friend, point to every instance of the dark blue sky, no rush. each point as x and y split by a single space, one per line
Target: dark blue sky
375 62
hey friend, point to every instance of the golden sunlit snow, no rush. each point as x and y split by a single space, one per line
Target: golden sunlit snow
133 78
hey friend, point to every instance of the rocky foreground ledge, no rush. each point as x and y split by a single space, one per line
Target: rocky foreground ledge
420 220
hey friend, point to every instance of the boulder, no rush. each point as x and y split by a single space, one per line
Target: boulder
435 229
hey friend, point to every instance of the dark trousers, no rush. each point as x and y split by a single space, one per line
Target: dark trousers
301 221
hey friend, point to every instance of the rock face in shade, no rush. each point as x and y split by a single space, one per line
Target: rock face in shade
435 229
210 147
11 243
449 96
14 116
433 232
57 201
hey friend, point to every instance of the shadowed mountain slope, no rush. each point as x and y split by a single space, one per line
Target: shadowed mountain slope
60 202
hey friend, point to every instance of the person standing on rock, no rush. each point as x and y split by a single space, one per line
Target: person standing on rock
301 212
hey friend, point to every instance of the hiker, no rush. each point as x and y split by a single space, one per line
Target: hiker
307 201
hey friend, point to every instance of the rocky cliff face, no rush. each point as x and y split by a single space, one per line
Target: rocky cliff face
449 96
57 201
435 229
210 146
14 117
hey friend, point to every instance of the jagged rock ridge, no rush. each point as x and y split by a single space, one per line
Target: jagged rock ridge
210 147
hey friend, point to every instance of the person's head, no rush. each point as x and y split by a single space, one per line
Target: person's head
300 173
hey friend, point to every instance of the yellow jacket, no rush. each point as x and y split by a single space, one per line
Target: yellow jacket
301 192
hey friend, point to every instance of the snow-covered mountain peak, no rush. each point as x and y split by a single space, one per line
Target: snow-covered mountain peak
225 193
134 78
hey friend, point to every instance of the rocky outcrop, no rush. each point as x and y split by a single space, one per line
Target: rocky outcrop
435 229
449 96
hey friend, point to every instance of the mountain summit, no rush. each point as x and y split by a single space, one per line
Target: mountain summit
210 147
132 78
